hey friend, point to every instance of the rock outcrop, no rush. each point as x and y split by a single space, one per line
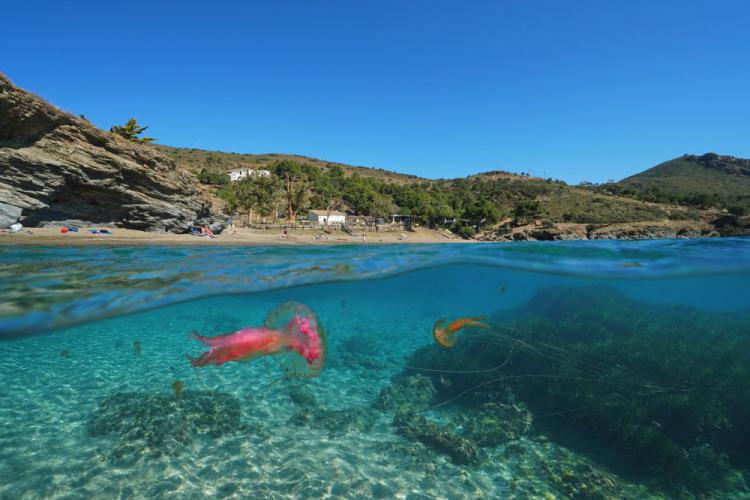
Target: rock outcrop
58 169
619 231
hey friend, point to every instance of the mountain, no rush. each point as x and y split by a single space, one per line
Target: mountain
709 180
59 169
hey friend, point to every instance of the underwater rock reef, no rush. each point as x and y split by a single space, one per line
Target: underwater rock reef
406 393
494 423
660 391
438 437
155 424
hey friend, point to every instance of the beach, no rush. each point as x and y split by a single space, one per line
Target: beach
230 236
663 229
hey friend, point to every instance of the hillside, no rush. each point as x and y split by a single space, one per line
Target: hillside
195 160
487 203
706 181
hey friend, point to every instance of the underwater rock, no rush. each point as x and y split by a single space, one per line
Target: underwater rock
712 471
410 393
155 424
334 421
410 455
582 480
438 437
542 469
495 423
645 381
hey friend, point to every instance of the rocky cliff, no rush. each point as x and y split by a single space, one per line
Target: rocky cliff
57 169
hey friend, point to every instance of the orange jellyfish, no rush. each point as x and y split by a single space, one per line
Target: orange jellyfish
444 332
291 330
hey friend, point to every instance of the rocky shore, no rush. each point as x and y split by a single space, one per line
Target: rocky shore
624 231
57 169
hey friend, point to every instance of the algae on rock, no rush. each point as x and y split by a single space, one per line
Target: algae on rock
155 424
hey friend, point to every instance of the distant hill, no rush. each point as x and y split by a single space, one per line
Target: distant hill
706 181
194 160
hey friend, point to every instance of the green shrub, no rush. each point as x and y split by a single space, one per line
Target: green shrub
212 177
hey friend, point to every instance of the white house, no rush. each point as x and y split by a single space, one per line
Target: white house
323 217
239 173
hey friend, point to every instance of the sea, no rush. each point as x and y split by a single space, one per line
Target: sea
551 370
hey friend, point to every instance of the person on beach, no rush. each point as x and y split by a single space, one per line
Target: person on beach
206 231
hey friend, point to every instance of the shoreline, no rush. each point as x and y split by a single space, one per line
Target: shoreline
37 236
253 237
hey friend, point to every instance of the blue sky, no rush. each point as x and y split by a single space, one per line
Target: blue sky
576 90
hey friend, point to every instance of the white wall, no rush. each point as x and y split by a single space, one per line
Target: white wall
332 219
236 175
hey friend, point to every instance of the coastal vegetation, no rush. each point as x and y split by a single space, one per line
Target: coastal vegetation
465 205
485 206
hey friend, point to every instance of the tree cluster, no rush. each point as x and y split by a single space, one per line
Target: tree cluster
463 204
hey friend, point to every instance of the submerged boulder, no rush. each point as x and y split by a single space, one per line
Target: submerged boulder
494 423
437 437
155 424
407 393
57 169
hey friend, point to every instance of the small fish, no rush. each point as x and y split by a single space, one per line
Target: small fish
177 386
137 347
631 264
65 353
343 303
503 289
445 381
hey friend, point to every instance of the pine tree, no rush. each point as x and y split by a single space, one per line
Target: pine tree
131 131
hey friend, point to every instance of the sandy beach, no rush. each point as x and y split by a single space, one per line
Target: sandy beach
237 236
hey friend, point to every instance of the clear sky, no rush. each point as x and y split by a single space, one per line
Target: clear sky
577 90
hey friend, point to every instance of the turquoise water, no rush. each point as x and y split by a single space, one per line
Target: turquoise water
603 370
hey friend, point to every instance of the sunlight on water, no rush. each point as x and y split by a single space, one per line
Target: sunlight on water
606 370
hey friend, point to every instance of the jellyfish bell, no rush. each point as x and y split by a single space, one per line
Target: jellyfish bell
445 333
440 334
307 346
